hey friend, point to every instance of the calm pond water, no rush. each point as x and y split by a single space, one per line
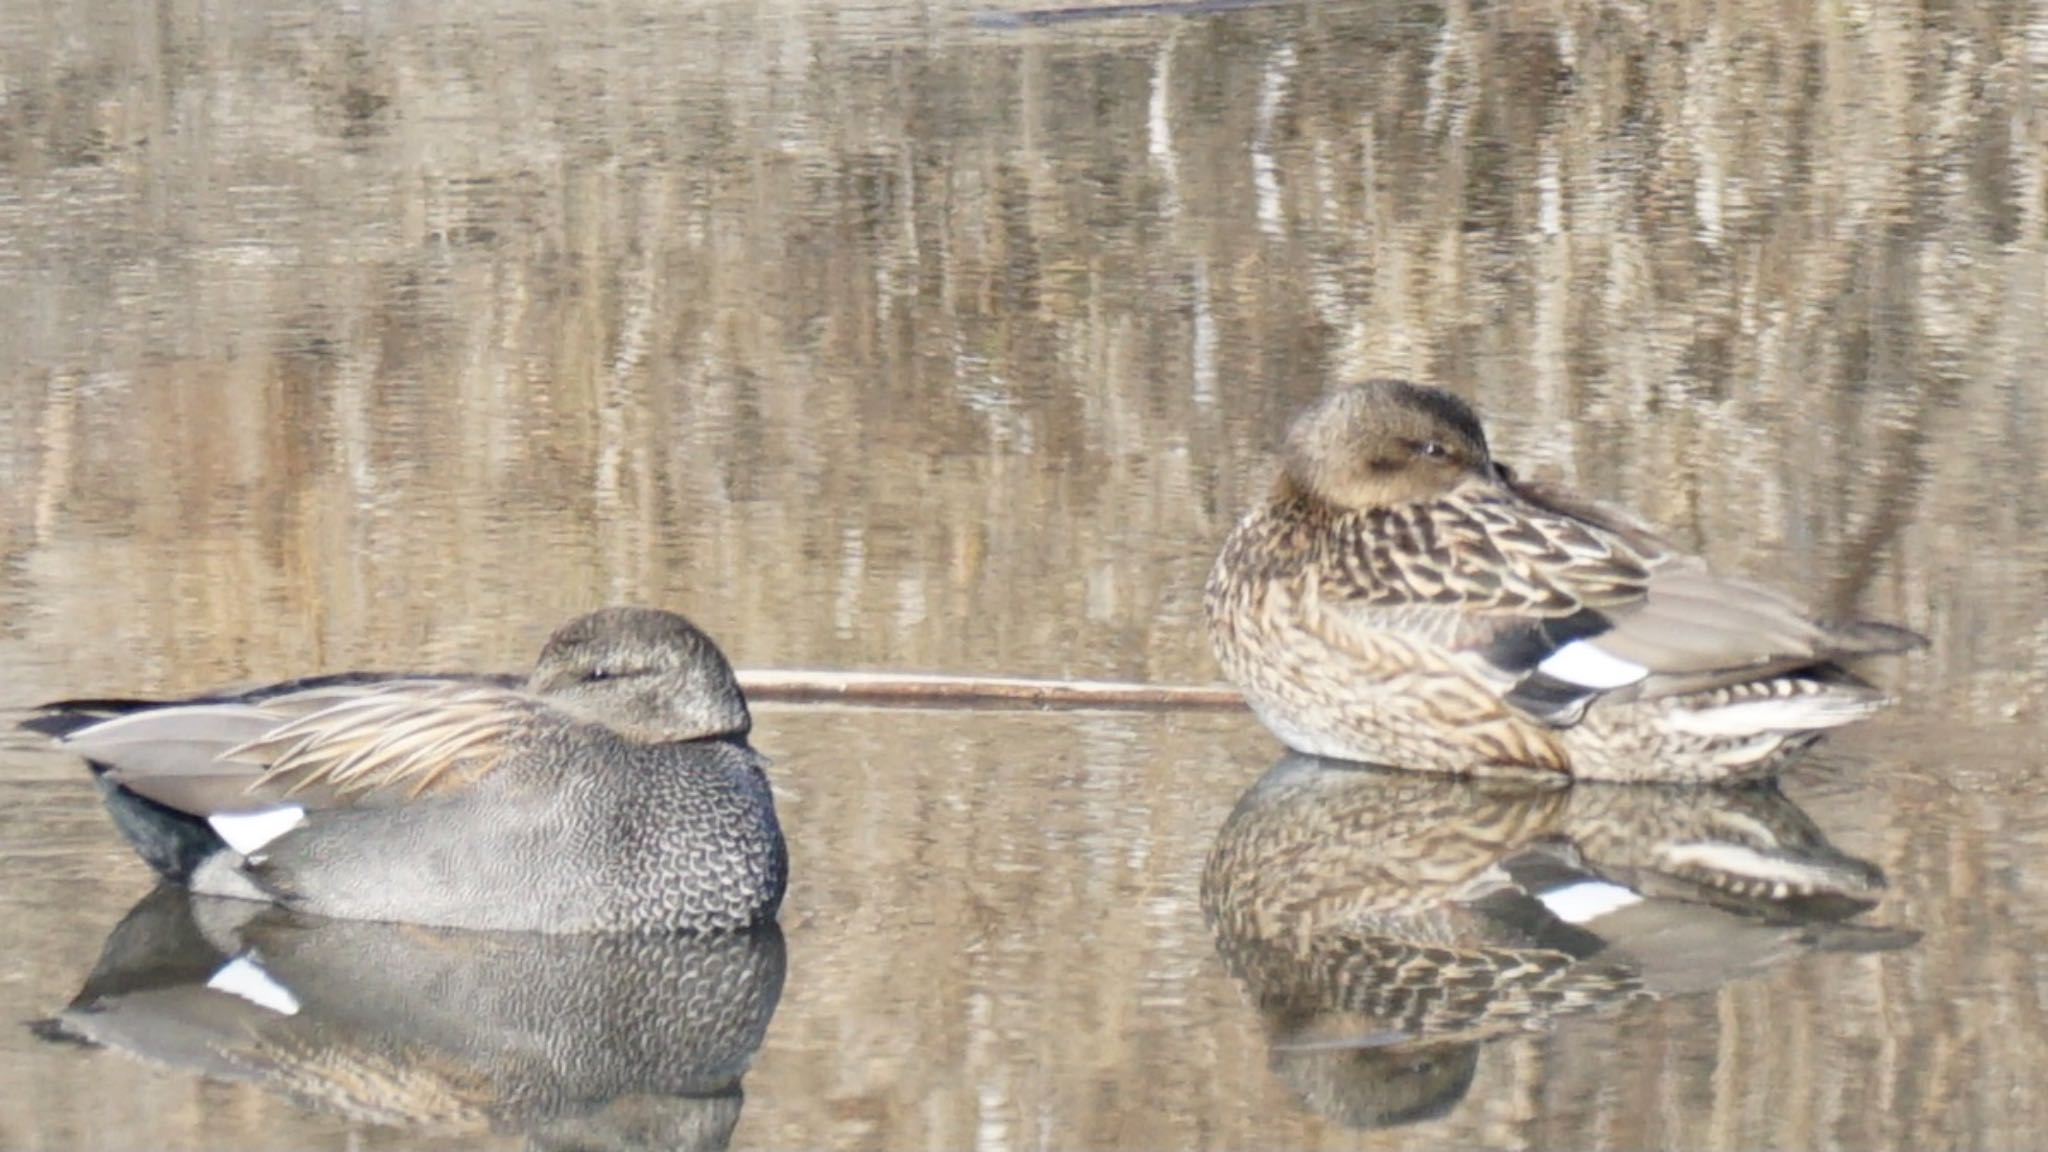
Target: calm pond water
885 337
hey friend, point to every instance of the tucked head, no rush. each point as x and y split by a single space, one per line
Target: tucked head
650 674
1385 442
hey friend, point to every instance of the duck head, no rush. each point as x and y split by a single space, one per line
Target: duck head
652 675
1385 443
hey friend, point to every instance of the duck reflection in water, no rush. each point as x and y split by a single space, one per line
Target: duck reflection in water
615 1041
1386 924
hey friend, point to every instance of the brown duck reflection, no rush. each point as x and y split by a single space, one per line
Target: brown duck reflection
631 1041
1386 924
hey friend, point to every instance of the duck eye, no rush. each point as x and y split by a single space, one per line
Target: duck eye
1431 449
599 675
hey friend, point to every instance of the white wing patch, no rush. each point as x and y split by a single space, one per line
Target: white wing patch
1579 662
1587 900
246 978
248 832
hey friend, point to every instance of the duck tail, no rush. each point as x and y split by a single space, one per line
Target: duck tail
1853 638
60 718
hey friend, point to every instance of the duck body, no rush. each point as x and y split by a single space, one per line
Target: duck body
1402 600
612 791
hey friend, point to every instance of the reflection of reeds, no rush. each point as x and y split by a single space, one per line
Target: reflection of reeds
878 341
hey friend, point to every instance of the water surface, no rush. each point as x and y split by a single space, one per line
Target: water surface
877 336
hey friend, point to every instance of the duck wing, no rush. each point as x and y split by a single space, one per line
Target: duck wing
1513 591
1556 602
1694 630
336 744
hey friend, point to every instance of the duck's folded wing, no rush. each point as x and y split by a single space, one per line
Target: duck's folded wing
1692 631
1692 624
1557 610
332 746
1517 595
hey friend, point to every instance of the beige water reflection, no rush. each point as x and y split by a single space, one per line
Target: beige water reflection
1387 924
575 1041
347 335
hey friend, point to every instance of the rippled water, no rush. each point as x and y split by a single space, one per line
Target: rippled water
890 337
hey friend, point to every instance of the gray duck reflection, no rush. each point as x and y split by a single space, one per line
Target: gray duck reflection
1386 925
613 1041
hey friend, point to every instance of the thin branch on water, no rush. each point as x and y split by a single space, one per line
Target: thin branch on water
912 690
1042 17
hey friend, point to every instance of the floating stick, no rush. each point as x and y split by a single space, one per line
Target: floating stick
914 690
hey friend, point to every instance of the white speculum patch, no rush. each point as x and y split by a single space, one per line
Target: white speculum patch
1579 662
245 978
248 832
1587 900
